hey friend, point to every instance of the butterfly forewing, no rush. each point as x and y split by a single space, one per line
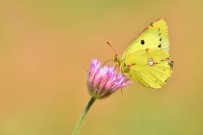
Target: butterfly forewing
154 37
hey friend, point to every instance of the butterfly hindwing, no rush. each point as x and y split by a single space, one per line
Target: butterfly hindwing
151 67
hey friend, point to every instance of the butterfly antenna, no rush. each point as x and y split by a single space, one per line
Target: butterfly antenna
112 48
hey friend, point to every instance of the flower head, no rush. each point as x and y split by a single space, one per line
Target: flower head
103 81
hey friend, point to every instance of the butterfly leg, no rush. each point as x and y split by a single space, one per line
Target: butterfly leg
107 61
120 69
122 91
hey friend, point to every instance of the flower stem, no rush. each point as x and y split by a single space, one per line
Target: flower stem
78 125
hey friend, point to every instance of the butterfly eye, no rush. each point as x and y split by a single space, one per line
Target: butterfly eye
142 42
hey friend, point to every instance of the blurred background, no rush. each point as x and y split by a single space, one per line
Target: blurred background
46 47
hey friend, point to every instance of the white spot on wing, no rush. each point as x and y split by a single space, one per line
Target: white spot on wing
151 62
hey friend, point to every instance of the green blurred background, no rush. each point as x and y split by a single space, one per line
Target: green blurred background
45 50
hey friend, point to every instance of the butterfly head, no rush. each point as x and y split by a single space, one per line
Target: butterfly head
117 60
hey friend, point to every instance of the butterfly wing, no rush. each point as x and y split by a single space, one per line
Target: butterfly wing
146 59
151 68
155 36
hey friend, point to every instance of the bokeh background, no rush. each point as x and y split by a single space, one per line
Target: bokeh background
45 50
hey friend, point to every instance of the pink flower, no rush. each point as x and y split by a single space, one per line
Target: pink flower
103 81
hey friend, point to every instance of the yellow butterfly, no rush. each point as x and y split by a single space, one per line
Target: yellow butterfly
147 58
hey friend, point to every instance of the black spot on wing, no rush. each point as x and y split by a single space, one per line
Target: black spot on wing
166 80
151 24
170 63
159 45
142 42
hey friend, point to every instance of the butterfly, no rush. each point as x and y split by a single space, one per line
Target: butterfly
147 59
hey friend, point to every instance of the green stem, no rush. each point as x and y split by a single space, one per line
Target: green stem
78 125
